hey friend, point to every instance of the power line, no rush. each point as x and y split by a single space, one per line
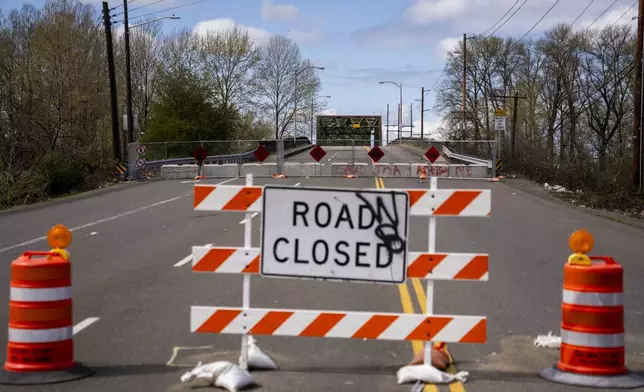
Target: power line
539 21
582 12
120 5
600 15
504 15
624 14
169 9
146 5
508 19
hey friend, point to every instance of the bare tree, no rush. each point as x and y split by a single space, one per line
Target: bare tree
276 81
145 52
228 57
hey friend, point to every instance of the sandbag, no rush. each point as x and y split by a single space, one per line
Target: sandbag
257 360
205 375
235 379
428 374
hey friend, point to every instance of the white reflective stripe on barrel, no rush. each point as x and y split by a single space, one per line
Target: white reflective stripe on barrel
591 299
17 335
597 340
40 294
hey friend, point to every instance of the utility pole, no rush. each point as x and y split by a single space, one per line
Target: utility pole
128 76
116 139
411 120
422 112
387 137
464 82
638 167
515 126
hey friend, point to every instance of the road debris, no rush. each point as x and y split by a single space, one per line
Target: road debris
548 341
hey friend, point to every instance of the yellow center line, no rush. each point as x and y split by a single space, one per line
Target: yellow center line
405 299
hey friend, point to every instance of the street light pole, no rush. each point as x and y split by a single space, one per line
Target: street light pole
400 106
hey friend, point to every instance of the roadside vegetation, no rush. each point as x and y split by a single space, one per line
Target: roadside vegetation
575 120
55 123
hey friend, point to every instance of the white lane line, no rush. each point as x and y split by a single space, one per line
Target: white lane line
84 324
190 181
187 259
298 184
111 218
241 222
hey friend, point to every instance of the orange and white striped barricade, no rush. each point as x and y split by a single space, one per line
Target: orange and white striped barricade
430 265
592 349
40 348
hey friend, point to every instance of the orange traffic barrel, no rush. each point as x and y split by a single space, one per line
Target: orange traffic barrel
40 347
592 351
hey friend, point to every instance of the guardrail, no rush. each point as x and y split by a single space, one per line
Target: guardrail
241 158
467 158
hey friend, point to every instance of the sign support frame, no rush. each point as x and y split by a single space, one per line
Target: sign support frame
248 231
431 247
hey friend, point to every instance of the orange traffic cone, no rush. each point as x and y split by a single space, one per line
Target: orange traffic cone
422 177
40 348
592 351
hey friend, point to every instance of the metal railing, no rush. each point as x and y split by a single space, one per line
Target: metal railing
158 154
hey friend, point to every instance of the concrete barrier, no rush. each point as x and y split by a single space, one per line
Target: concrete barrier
468 171
430 170
258 169
343 169
175 172
225 170
400 170
308 169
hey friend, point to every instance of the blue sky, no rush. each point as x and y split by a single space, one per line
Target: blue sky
361 42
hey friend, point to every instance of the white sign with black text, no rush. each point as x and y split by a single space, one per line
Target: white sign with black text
339 234
499 123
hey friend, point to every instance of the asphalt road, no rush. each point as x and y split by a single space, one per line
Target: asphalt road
127 251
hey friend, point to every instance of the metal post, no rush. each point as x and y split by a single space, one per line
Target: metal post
494 159
295 107
387 131
422 112
128 77
400 113
429 304
411 121
248 231
312 103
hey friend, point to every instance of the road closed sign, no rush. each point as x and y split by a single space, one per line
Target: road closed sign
340 234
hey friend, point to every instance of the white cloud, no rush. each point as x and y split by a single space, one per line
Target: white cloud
426 11
447 45
305 37
329 112
273 11
260 36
